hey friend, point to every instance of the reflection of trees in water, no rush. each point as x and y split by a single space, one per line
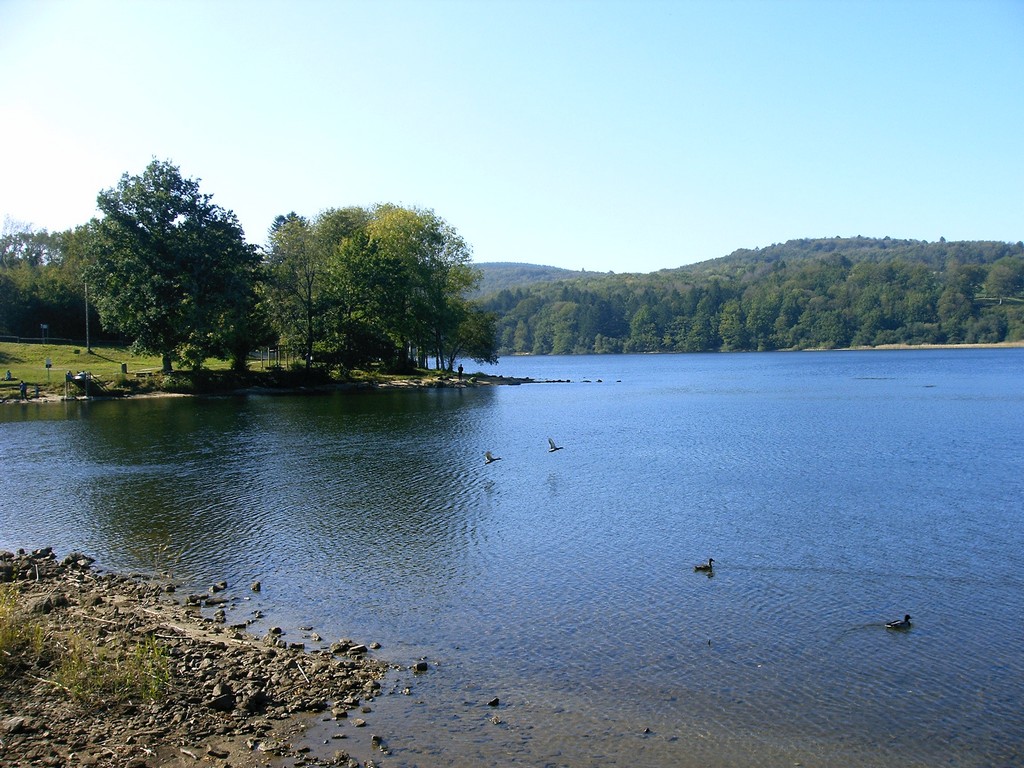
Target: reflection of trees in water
239 485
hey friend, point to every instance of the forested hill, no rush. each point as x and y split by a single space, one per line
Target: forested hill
936 255
809 293
498 275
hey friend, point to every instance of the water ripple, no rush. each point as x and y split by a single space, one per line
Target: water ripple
833 498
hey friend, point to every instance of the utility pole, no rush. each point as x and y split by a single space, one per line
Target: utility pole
88 347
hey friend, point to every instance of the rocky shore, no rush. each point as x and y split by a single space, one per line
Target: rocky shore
157 682
440 382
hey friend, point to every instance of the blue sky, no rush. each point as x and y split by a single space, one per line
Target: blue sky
585 134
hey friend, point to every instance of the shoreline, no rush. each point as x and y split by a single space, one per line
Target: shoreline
470 381
226 697
479 380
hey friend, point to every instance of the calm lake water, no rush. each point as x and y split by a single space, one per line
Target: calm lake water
835 491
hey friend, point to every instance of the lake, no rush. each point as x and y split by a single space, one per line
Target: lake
834 490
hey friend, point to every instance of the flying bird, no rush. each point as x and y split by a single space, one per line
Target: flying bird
554 447
488 458
705 567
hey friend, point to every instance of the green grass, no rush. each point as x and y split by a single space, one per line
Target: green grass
27 362
92 673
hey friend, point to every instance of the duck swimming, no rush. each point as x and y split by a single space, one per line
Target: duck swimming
708 566
903 623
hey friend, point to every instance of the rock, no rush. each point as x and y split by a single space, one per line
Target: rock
421 666
14 725
220 586
274 641
77 559
493 702
357 650
223 699
256 701
256 586
49 603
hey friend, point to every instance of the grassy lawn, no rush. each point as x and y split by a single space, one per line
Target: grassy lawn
28 362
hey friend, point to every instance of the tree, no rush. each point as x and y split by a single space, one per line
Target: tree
643 331
172 269
731 326
423 276
476 338
1005 278
295 282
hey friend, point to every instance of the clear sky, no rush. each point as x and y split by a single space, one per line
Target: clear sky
588 134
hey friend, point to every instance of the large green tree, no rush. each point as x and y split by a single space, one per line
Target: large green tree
172 270
428 274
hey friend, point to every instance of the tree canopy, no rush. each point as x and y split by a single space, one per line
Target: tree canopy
802 294
172 270
354 286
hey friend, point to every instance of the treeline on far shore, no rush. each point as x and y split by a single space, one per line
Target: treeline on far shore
802 294
392 288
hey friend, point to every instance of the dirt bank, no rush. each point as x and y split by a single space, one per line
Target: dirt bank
107 670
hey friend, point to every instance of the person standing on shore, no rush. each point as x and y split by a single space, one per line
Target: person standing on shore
23 390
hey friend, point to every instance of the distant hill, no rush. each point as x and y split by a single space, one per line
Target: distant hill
810 293
937 255
499 275
505 275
